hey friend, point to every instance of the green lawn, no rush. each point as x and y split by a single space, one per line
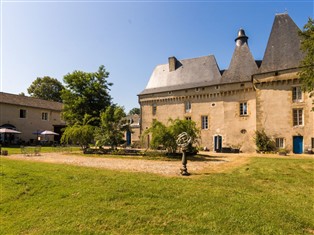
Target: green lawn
267 196
44 149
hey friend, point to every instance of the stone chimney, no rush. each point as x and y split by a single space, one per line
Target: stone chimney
172 63
241 39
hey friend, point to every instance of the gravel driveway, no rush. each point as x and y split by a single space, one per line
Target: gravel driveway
211 164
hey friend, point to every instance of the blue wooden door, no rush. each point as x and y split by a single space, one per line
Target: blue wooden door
298 144
128 138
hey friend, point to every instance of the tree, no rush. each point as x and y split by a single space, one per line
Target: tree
135 111
46 88
263 142
307 64
81 133
178 126
112 127
85 93
161 137
166 136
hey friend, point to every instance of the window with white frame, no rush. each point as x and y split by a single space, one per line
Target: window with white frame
204 122
280 143
188 106
44 116
297 117
296 94
188 118
243 109
154 109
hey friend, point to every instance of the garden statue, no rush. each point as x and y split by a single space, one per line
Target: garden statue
183 141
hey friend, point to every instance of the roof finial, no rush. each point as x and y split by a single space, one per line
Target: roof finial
242 38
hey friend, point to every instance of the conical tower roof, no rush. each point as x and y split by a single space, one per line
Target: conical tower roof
283 47
242 64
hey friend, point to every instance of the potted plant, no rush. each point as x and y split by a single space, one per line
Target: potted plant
283 152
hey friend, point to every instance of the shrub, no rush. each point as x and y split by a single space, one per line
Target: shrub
263 142
165 137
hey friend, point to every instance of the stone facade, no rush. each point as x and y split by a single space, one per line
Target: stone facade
282 115
132 137
229 106
29 115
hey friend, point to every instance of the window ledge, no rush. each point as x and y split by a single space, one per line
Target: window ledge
298 101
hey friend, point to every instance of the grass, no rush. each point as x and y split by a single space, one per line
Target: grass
44 149
267 196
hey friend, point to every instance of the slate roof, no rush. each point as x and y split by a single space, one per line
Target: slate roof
196 72
282 52
134 120
27 101
283 47
242 64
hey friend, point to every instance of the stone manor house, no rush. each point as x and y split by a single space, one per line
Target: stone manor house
30 116
229 105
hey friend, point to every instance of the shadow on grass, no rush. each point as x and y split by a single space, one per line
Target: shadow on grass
196 158
150 155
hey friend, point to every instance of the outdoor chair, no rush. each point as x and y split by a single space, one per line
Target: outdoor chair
37 150
25 151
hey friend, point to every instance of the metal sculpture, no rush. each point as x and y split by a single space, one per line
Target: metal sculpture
183 141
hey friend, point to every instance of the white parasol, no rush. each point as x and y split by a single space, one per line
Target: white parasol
46 132
9 131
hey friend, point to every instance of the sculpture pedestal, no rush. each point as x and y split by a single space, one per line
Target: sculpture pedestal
184 170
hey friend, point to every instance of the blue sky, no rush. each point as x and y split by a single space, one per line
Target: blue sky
54 38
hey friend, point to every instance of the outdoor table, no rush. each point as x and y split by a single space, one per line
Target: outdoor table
30 150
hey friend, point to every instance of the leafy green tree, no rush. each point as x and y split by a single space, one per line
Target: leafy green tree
161 137
112 127
46 88
85 93
307 64
166 136
178 126
135 111
263 142
81 133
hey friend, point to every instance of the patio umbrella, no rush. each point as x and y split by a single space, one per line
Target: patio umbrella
9 131
46 132
37 132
